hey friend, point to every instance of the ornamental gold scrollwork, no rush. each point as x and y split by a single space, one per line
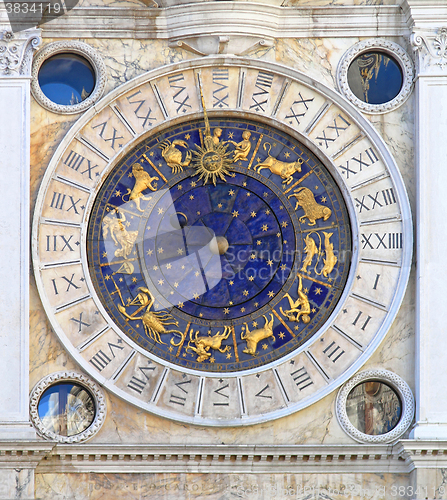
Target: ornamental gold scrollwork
312 210
284 169
253 337
143 181
204 344
298 308
154 322
114 223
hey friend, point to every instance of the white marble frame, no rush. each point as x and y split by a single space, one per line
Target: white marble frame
330 94
392 49
397 384
74 47
77 378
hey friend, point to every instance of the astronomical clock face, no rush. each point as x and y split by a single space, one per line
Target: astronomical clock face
222 245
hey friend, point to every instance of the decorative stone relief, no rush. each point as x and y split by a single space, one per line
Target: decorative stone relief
213 45
67 377
387 47
393 381
431 50
16 52
74 47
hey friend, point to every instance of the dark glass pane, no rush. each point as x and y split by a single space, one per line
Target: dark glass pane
66 409
66 79
375 77
373 408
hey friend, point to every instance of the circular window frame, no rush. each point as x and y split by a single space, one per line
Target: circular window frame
87 384
389 48
80 49
397 384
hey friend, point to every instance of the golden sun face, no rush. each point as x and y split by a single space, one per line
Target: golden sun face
211 161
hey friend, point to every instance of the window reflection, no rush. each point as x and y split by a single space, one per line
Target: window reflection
373 408
375 77
66 409
66 79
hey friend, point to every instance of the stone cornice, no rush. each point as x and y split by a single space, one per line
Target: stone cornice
229 19
223 459
50 457
23 455
423 454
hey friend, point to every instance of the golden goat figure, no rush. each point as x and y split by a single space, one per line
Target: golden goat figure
253 337
204 344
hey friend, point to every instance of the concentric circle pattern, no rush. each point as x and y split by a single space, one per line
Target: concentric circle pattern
254 264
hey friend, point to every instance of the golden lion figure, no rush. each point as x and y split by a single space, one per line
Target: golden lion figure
312 210
204 344
143 181
255 336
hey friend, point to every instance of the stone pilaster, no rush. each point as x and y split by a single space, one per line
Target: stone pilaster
430 48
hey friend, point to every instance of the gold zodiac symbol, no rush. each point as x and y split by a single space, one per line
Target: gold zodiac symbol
173 156
312 210
114 222
331 259
204 344
255 336
311 250
154 322
242 148
284 169
299 307
142 181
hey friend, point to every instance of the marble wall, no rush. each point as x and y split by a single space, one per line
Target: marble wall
219 487
126 59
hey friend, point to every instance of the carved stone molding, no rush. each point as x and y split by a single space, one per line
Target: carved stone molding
431 51
393 50
394 381
214 45
16 52
64 377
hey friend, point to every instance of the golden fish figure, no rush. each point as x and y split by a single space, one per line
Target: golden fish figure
311 250
204 344
312 210
331 259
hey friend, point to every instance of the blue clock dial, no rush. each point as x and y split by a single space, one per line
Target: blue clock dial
219 251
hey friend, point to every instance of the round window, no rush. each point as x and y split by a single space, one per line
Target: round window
66 409
375 77
373 408
67 79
